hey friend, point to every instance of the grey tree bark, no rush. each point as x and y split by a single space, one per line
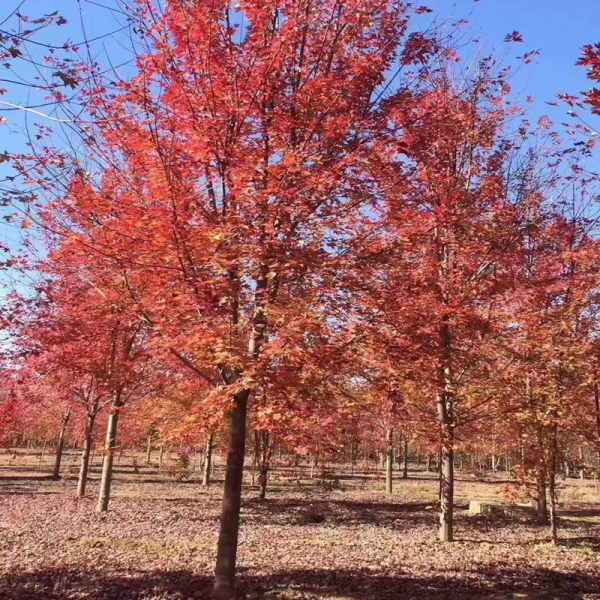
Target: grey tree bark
61 444
109 452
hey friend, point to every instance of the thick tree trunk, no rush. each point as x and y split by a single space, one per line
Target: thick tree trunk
389 460
85 456
109 451
224 587
208 451
61 444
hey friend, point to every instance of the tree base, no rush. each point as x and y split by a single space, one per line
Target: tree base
225 592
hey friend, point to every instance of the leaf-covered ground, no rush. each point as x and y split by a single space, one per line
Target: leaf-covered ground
158 541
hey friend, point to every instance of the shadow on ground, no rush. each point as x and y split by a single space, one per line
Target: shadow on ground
62 584
339 512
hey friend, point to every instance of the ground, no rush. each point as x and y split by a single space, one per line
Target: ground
158 540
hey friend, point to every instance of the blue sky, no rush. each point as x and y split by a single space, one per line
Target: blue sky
557 28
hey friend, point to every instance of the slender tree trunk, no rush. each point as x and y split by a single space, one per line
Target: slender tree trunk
61 444
542 504
313 465
597 404
429 461
445 414
224 587
262 480
405 463
149 449
109 451
542 507
389 460
265 450
445 392
581 464
447 490
85 455
207 461
552 487
160 457
439 470
255 457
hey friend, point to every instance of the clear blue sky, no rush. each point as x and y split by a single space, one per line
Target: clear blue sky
557 28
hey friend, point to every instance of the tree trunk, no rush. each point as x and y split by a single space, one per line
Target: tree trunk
207 461
160 457
439 470
542 506
552 487
61 444
581 464
265 450
445 415
597 404
445 391
447 489
429 461
389 460
313 465
255 458
224 587
405 463
85 455
109 451
149 449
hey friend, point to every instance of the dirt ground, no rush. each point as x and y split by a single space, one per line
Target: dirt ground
158 539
